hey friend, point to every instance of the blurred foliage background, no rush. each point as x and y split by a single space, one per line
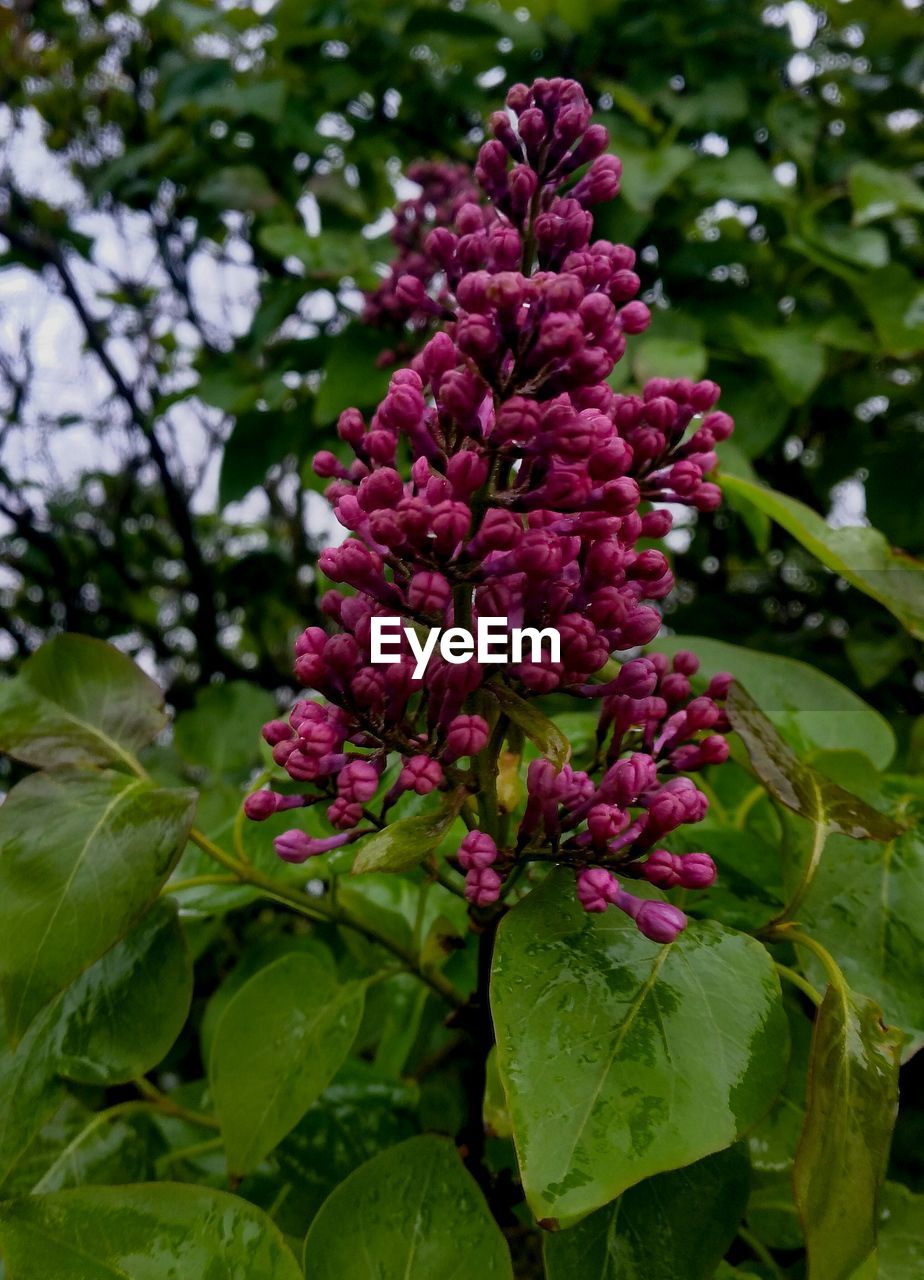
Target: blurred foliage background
194 196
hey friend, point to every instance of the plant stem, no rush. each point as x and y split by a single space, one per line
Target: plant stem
797 980
760 1251
195 882
188 1153
163 1102
319 911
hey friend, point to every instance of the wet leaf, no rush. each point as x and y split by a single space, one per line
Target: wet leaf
796 784
78 701
123 1014
675 1226
84 854
146 1232
901 1234
279 1042
851 1108
414 1211
601 1050
866 907
405 843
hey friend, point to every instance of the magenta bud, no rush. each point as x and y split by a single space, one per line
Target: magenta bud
482 886
697 871
597 889
467 735
662 869
477 851
260 805
298 846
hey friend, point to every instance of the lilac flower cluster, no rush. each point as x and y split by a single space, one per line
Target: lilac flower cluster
530 493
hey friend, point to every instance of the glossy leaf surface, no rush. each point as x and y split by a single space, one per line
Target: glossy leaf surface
84 853
142 1232
607 1073
412 1211
840 1163
78 701
675 1226
279 1042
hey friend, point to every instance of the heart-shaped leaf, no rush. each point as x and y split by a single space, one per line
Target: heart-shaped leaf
83 855
78 701
413 1211
621 1058
277 1045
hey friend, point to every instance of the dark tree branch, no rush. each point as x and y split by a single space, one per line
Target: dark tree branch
48 251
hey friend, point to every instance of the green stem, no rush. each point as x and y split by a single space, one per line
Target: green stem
195 882
163 1102
46 1182
797 980
319 911
787 933
760 1251
188 1153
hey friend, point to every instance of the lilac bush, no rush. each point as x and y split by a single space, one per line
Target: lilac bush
503 477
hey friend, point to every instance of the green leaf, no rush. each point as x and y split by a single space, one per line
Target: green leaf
257 441
877 192
352 376
795 360
734 462
807 706
123 1014
412 1211
30 1092
601 1048
851 1108
495 1112
901 1234
894 300
142 1232
741 175
865 905
278 1044
647 172
405 843
668 358
859 555
76 1148
796 784
537 726
222 731
675 1226
84 854
239 186
78 701
773 1142
359 1114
